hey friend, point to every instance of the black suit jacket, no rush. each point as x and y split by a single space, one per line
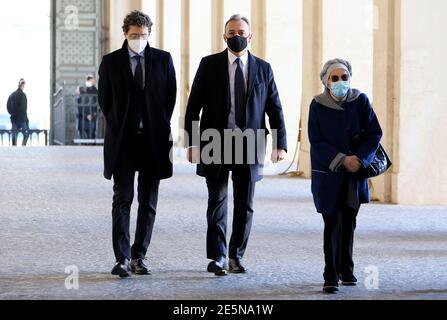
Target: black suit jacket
210 94
115 87
17 106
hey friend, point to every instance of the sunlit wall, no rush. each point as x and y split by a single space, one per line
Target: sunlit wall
25 53
348 27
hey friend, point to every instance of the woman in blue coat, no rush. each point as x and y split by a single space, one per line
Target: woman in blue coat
339 117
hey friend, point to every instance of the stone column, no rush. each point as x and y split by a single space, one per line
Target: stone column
160 23
312 64
258 24
387 88
117 11
217 25
185 65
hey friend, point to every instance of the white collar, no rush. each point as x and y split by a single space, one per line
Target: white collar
232 58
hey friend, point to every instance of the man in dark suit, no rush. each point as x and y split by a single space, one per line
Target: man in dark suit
17 106
137 94
234 90
88 109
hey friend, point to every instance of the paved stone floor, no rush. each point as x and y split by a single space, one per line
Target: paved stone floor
55 212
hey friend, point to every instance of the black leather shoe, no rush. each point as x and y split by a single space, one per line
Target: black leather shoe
235 266
217 267
122 269
348 280
139 267
330 287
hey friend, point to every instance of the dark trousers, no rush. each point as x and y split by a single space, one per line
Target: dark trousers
16 128
123 188
243 193
88 130
339 240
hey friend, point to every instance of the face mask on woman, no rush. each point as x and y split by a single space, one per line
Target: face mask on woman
340 89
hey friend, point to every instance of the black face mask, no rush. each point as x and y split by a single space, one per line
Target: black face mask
237 43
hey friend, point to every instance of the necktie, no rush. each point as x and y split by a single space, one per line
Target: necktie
239 96
138 77
139 73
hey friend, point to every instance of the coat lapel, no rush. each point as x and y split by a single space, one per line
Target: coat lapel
148 73
148 65
253 67
223 63
125 66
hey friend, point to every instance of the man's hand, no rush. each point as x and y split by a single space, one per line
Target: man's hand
352 164
278 155
193 155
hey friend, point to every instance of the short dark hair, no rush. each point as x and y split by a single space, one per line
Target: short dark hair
90 77
137 18
21 82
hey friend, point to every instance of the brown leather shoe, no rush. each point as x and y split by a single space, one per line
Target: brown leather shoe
140 267
235 266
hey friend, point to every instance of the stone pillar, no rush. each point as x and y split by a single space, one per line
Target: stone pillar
258 24
312 64
105 26
217 26
118 10
386 100
185 66
422 152
160 23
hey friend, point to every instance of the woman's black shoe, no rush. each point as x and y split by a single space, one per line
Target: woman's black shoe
349 280
330 287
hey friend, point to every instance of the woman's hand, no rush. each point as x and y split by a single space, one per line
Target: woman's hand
193 155
352 164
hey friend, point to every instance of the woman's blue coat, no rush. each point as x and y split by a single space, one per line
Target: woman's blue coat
330 135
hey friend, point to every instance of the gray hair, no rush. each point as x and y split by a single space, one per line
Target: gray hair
237 17
331 65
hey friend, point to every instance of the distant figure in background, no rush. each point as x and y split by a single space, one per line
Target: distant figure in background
17 107
88 109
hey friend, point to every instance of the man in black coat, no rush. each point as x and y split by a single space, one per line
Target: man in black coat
233 91
137 94
17 106
88 109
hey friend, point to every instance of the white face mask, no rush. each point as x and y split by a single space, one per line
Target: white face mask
137 46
